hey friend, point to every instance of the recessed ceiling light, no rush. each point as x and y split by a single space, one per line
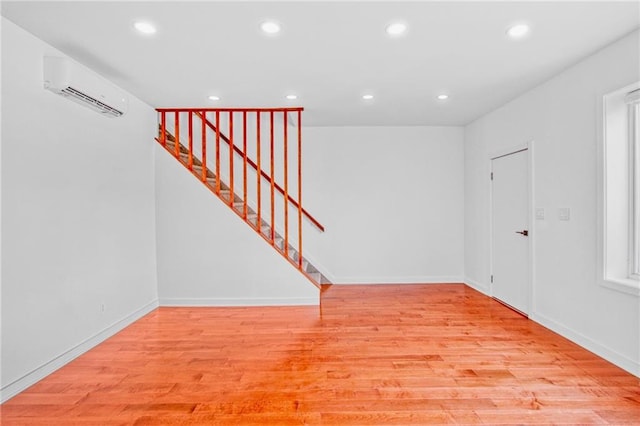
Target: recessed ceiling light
443 97
270 27
292 97
145 27
367 97
214 98
518 31
396 29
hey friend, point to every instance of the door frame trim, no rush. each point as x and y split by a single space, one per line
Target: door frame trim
529 146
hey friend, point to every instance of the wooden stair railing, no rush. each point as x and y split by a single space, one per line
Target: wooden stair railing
197 161
264 174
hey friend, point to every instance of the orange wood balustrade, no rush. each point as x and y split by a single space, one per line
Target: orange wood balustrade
264 174
168 114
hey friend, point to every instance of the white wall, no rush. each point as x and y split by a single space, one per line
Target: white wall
391 199
1 399
208 256
563 118
77 219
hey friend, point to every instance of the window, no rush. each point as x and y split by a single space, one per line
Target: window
620 195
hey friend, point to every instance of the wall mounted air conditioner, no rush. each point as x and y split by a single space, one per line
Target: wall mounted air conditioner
67 78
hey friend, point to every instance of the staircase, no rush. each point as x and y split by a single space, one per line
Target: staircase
207 137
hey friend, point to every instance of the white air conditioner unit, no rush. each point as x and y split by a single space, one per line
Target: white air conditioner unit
69 79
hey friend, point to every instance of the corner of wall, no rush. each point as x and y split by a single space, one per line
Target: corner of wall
1 244
482 288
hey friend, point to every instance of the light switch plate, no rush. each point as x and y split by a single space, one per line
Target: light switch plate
539 213
564 213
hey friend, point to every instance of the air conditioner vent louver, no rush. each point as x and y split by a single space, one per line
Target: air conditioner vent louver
81 85
101 107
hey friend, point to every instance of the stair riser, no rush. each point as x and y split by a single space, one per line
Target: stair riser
238 207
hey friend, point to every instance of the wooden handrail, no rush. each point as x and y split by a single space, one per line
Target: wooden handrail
294 109
262 222
251 163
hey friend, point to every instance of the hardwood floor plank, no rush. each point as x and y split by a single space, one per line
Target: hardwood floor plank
383 354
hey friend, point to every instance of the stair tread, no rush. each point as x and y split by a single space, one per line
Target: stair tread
238 205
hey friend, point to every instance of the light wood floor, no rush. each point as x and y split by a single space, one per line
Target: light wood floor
377 355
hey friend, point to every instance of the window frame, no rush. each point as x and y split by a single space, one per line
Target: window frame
618 247
633 101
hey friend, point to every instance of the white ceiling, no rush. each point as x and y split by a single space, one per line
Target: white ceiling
330 53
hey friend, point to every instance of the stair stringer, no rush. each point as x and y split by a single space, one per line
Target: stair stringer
310 270
208 256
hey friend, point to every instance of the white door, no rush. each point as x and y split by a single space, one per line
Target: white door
510 219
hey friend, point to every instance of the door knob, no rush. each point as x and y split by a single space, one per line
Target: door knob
525 232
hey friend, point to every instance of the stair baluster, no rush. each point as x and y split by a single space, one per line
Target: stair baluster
170 138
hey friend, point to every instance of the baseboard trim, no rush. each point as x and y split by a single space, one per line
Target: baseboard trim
399 280
484 289
599 349
31 378
221 302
